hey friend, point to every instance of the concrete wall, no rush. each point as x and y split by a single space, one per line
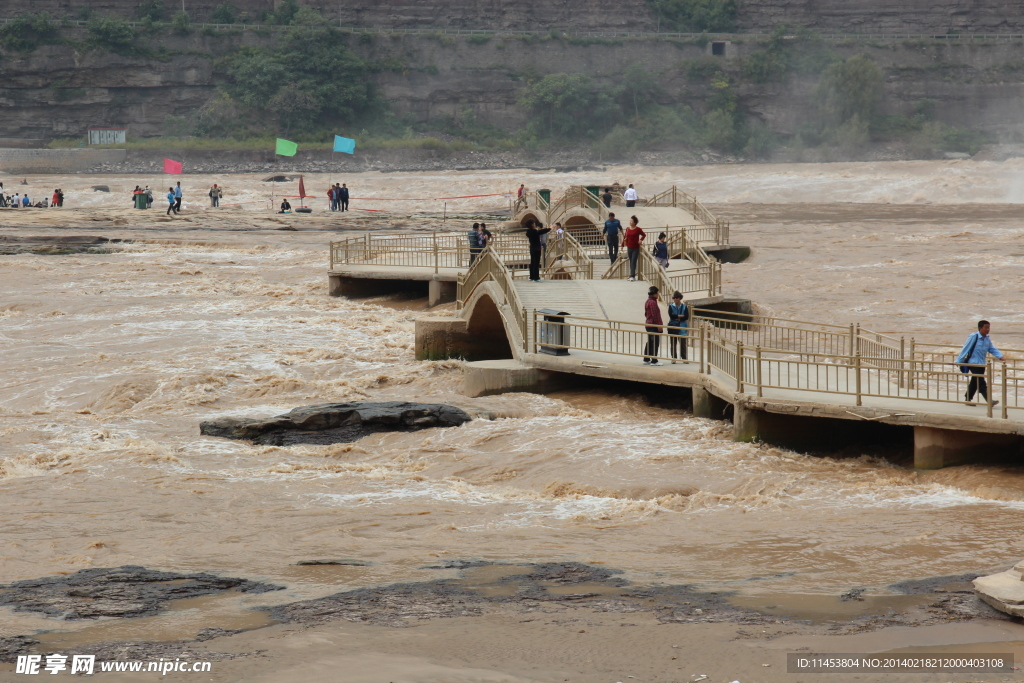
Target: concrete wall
56 160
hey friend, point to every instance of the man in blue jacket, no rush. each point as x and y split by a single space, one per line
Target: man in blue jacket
612 228
974 354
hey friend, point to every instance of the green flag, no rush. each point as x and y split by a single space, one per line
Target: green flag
286 148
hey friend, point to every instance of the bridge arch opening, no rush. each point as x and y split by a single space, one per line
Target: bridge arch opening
486 333
584 230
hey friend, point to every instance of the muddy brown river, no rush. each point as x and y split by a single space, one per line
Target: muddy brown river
111 359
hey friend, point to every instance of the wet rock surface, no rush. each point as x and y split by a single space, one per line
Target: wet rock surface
127 591
56 244
336 422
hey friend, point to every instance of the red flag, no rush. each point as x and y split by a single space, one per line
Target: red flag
302 189
172 167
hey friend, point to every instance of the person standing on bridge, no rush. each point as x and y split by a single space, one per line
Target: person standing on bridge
607 198
652 319
630 196
633 240
534 232
975 353
474 243
678 324
611 231
661 250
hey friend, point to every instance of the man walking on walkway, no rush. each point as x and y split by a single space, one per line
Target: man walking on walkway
612 229
974 354
652 318
630 196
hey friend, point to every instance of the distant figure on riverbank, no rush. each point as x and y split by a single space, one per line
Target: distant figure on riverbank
177 197
285 207
653 322
343 197
630 196
170 201
25 202
215 194
149 197
55 200
975 354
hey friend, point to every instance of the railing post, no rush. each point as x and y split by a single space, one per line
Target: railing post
856 369
912 375
850 351
700 349
739 367
989 376
525 330
757 359
903 366
435 252
1005 411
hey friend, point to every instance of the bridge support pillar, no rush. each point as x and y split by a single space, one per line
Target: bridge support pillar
937 448
341 285
706 404
440 292
489 377
810 434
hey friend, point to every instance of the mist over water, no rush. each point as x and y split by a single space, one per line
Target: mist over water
112 360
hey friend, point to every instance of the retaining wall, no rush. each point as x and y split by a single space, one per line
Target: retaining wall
14 160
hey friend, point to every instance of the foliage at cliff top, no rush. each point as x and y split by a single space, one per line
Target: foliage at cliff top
696 16
28 31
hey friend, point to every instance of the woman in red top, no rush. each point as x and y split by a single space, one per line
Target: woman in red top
652 318
632 240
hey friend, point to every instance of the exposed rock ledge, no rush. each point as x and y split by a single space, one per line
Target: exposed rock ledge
337 422
1004 591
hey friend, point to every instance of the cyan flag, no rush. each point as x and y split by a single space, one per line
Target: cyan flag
346 145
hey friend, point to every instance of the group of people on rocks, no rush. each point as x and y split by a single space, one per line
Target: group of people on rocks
22 201
338 195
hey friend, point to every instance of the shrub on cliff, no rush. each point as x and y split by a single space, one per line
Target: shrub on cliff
696 16
112 33
224 13
311 79
28 31
152 10
569 106
850 88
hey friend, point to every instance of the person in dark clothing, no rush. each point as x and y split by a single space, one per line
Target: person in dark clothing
612 228
474 243
653 325
607 197
534 230
678 320
343 197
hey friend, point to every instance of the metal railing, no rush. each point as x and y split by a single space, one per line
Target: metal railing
489 267
582 33
701 278
781 373
677 198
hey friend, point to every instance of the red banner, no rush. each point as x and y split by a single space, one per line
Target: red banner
172 167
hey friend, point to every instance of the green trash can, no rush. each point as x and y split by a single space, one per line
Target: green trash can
596 201
545 195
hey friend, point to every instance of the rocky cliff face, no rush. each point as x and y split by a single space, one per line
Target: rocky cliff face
938 16
876 16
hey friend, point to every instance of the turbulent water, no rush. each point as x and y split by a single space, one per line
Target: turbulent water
110 361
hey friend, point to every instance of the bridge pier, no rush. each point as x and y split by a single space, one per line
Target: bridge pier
441 292
809 434
706 404
489 377
936 448
343 285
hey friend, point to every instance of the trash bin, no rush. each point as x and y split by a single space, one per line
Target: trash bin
545 195
595 201
553 338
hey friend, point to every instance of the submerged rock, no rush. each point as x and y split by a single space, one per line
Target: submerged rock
1004 591
328 423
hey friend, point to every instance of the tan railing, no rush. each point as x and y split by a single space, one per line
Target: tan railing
676 197
489 267
420 251
807 376
705 279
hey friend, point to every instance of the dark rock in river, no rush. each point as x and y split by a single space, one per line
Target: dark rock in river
127 591
336 422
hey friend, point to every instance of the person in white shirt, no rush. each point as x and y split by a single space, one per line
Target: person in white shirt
630 196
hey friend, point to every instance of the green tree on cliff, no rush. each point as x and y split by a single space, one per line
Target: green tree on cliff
850 88
696 16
